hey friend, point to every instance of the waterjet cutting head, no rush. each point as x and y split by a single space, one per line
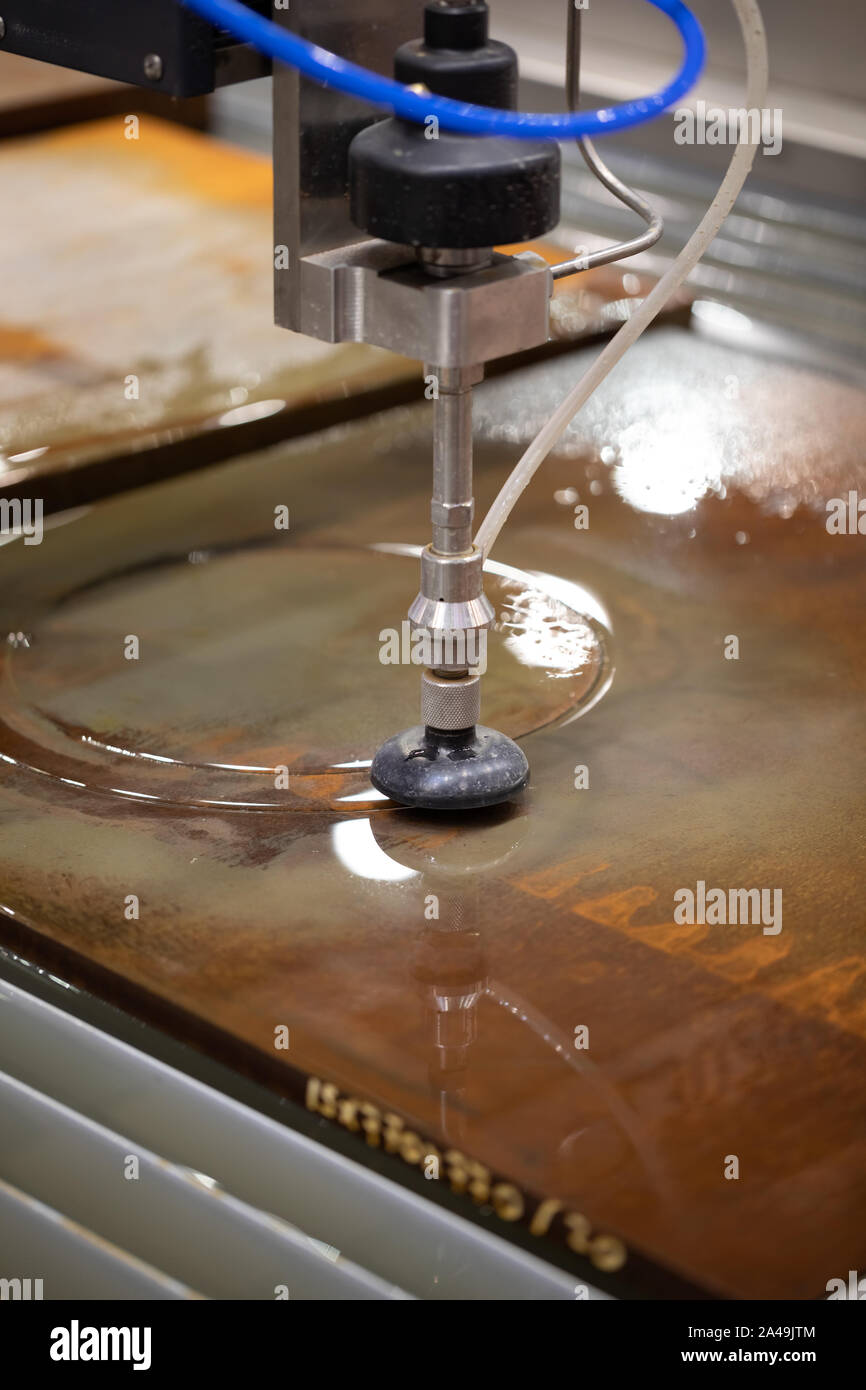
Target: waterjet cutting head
452 197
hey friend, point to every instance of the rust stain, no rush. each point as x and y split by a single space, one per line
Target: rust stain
180 160
20 344
841 988
555 879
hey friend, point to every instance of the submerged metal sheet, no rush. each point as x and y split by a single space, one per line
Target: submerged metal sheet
455 1035
138 298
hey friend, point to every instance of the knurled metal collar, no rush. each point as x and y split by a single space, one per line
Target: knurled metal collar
450 704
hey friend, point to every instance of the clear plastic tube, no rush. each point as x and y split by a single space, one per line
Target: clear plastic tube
754 39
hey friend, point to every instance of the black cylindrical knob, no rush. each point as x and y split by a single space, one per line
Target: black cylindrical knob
454 25
425 186
456 58
455 191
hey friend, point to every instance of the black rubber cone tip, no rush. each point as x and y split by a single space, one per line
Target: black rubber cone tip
436 771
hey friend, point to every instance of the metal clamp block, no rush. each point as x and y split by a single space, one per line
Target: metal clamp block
375 292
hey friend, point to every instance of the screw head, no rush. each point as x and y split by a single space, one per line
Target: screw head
153 67
2 28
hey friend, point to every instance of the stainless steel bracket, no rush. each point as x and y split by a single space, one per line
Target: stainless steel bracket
375 292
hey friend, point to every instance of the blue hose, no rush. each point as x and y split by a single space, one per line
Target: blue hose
332 71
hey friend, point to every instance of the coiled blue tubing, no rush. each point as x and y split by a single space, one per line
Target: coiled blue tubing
330 70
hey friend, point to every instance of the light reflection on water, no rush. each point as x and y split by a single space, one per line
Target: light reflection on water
678 421
221 715
356 848
668 464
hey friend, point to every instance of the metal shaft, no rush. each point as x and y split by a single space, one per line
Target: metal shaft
452 506
451 602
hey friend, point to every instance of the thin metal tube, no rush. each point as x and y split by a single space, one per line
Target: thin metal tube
605 176
452 465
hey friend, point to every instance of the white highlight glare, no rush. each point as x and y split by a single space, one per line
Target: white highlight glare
667 466
356 848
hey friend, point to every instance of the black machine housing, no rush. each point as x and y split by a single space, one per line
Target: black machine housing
113 38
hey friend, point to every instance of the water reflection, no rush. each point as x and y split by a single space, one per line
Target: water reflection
452 977
667 464
680 420
449 969
356 848
258 681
